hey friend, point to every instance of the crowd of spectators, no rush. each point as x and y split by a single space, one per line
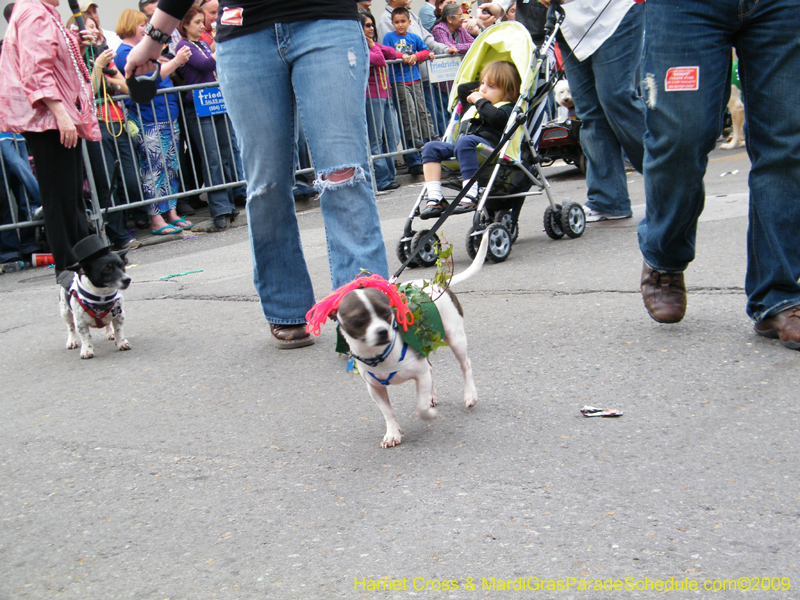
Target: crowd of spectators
148 141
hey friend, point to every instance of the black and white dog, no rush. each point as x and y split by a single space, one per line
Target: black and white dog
367 322
91 297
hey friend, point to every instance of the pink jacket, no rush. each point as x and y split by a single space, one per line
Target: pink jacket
378 83
36 64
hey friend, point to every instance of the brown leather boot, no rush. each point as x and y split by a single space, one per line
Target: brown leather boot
664 295
784 325
290 336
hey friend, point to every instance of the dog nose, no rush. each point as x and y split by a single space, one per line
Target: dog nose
126 281
382 335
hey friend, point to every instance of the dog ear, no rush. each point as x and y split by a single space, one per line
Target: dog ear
121 254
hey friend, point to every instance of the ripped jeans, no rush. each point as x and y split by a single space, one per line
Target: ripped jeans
317 69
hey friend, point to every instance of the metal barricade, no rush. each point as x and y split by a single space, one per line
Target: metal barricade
422 109
427 118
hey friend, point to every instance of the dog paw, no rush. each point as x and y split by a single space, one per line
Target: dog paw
72 344
110 336
427 415
470 401
87 354
390 440
124 345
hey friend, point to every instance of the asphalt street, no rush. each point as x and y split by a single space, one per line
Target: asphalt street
206 464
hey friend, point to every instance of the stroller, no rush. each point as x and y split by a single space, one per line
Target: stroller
509 171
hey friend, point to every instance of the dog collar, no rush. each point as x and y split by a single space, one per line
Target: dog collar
376 360
388 379
97 307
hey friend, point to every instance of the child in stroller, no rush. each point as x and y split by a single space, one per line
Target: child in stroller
483 123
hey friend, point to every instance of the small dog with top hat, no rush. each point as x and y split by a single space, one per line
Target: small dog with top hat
91 296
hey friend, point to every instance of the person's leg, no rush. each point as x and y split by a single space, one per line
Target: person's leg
616 65
413 160
227 164
204 132
60 176
24 186
597 85
687 83
375 123
426 110
389 142
101 173
432 156
428 96
409 116
330 59
9 242
280 273
769 69
15 155
129 186
153 167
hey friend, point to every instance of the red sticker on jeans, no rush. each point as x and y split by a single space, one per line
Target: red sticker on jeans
681 79
231 16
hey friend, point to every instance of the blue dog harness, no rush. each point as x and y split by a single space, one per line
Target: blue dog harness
389 378
376 360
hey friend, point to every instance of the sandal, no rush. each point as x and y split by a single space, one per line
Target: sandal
181 223
162 232
434 209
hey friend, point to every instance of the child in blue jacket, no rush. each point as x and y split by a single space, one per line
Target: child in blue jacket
416 119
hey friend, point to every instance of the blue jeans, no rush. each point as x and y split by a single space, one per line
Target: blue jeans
604 88
379 123
210 135
15 157
465 151
682 128
12 246
324 66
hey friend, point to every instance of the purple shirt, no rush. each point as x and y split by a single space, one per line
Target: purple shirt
202 66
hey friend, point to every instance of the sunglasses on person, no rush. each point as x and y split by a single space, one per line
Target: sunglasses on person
487 12
370 25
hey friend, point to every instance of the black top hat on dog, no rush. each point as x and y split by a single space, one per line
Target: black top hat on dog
88 249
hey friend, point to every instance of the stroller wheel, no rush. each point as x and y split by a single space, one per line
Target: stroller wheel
506 219
552 222
429 253
473 243
573 220
404 251
499 243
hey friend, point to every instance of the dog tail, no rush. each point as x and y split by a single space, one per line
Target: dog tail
479 257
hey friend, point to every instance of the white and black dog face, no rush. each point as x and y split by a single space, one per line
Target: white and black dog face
107 271
365 316
563 95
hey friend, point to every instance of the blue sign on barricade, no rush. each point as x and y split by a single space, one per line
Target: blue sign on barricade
209 101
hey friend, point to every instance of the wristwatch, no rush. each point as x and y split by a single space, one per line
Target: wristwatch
159 36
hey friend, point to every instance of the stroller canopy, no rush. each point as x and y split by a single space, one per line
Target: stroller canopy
509 41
